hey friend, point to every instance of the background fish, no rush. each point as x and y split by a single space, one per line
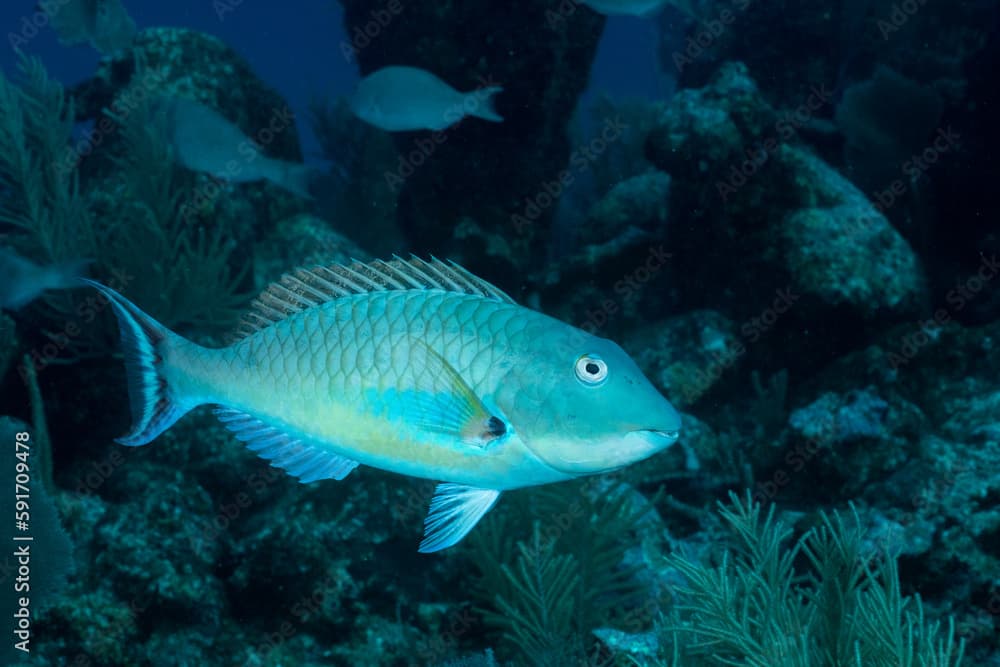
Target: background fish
408 98
415 367
23 281
103 23
204 140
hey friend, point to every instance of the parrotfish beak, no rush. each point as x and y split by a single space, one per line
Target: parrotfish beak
655 437
616 453
666 433
643 443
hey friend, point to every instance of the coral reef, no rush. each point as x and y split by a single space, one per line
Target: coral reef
686 355
629 219
940 56
187 63
757 608
144 243
837 232
831 43
492 173
817 251
553 569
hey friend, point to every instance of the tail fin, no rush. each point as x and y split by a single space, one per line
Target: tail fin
484 103
154 409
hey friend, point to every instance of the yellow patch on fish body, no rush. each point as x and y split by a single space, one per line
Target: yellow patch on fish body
414 367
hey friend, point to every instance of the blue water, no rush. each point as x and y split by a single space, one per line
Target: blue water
295 50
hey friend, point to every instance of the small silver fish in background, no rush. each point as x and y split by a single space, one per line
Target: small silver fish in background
415 367
401 99
637 7
22 281
103 23
203 140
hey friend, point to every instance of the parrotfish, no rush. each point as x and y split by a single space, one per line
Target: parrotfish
399 99
412 366
23 281
204 140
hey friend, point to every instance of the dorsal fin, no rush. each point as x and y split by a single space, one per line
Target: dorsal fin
307 288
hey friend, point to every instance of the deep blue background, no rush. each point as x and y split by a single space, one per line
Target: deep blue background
296 51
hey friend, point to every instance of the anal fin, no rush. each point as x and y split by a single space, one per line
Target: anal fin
455 510
297 457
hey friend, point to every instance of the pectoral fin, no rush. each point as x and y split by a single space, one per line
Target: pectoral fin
442 402
455 510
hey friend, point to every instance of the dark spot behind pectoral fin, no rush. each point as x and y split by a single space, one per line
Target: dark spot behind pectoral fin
305 460
455 510
443 402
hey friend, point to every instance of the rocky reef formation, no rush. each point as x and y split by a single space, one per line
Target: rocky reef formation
771 232
891 145
833 43
191 64
481 191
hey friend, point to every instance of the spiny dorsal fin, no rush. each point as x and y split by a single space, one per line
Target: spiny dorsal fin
307 288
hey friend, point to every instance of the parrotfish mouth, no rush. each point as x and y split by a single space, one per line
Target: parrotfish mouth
643 443
629 448
656 436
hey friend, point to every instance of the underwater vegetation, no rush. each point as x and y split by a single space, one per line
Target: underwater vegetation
144 229
757 608
796 246
547 591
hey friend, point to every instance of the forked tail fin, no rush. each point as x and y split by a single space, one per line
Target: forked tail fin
154 408
483 103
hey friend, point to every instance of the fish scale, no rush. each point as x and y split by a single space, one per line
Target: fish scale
414 367
323 354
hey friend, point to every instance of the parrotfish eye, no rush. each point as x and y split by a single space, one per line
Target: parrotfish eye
591 370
